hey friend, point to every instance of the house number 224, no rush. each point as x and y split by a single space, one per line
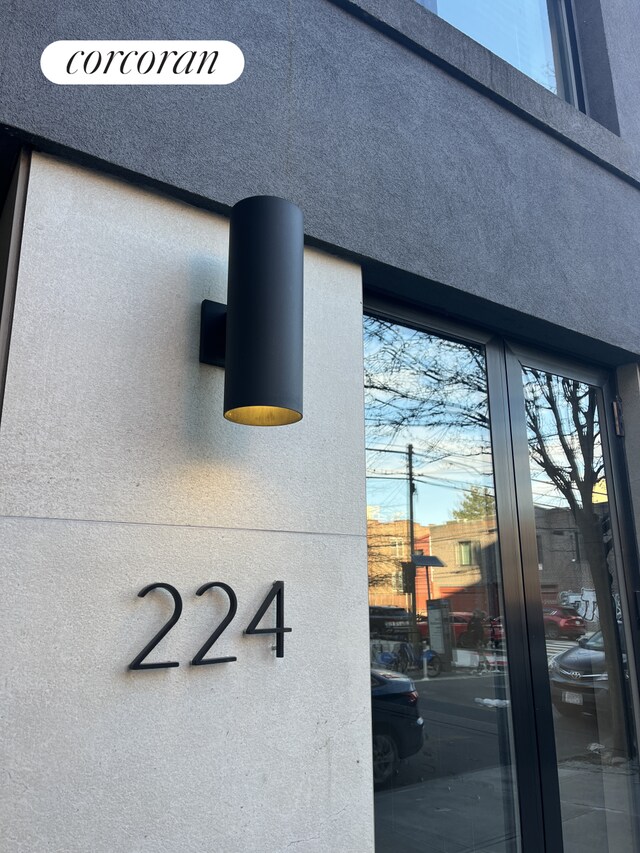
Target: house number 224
276 592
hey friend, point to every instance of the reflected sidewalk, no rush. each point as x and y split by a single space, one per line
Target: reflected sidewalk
469 813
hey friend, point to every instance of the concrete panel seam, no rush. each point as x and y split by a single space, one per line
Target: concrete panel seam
170 525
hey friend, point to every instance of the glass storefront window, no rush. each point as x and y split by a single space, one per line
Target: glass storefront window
442 748
502 675
528 34
580 594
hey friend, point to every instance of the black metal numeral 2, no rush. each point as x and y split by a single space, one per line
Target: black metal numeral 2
136 663
199 659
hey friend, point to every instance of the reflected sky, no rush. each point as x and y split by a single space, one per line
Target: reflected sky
429 392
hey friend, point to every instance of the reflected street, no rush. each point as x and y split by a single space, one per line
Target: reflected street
459 767
462 735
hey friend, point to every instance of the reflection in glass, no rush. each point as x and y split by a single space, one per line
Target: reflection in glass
442 753
582 617
518 31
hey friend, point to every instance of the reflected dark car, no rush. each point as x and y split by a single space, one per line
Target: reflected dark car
563 622
398 728
578 677
392 622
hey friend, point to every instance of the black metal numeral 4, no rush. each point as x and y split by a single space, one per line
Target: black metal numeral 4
199 659
136 663
277 592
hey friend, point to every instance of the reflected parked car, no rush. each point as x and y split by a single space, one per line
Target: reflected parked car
459 622
391 622
578 677
423 626
494 631
398 728
563 622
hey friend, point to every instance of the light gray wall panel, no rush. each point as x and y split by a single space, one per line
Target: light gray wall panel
261 754
109 415
112 434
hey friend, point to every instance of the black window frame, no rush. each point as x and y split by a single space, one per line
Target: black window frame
534 751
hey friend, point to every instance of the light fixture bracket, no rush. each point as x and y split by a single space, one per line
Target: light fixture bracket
213 332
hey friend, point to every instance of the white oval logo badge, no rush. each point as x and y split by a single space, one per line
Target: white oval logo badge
142 63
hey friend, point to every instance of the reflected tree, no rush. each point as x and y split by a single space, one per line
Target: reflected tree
565 445
477 504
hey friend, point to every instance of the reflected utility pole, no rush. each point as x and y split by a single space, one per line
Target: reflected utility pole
412 549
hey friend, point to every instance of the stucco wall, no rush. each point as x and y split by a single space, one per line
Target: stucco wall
118 470
622 23
391 153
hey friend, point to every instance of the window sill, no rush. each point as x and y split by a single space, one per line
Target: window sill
419 30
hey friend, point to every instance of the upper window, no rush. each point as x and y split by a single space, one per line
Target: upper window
467 553
531 35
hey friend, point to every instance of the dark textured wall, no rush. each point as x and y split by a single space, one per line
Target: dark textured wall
621 20
389 156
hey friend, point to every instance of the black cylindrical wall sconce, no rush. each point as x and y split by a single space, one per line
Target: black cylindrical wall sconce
263 353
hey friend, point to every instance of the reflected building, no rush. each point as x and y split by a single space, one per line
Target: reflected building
468 549
566 574
388 546
468 578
